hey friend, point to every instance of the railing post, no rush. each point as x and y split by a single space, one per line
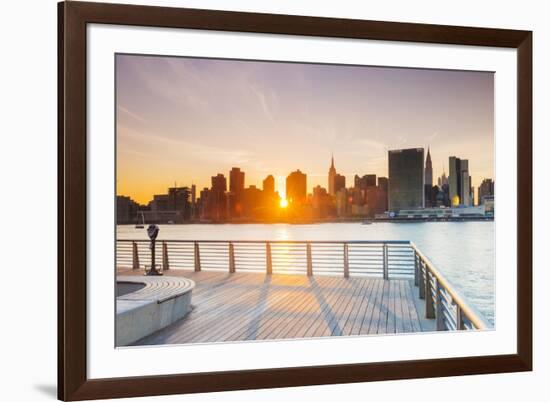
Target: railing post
135 256
309 262
430 308
346 261
268 263
197 257
421 280
385 260
165 263
231 258
440 322
415 268
459 319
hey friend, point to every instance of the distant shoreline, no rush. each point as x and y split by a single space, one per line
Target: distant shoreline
314 222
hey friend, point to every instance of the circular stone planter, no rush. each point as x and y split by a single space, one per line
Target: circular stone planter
145 304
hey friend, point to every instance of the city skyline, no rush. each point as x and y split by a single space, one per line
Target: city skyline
183 120
407 192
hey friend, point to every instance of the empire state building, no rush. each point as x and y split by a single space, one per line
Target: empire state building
331 177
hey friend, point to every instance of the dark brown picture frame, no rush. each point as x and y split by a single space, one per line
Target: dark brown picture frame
73 383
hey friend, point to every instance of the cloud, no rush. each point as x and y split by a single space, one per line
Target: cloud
263 102
131 114
179 149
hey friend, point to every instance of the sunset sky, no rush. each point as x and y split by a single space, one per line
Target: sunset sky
183 120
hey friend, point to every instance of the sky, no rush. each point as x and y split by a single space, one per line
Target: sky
182 120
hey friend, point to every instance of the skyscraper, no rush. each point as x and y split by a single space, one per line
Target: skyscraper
429 199
217 199
296 186
466 196
178 198
406 178
236 180
331 176
321 202
193 194
126 210
368 180
383 184
443 180
203 204
459 182
193 201
269 184
428 171
342 202
219 183
339 182
486 188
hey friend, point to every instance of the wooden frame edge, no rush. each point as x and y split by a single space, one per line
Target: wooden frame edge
525 198
292 377
60 204
71 200
72 380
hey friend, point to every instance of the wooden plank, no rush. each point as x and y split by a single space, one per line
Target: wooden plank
352 316
247 306
333 325
206 315
222 283
308 311
198 322
236 328
321 294
399 318
209 326
250 321
375 310
279 317
390 325
367 299
328 313
383 318
290 300
407 325
218 290
227 321
413 312
345 308
279 299
232 309
327 285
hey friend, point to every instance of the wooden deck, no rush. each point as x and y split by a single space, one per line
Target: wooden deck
255 306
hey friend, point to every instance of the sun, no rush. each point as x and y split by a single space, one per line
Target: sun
283 203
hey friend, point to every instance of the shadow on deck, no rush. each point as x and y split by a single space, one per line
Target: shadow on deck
254 306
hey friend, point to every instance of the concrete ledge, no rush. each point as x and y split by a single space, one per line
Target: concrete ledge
157 303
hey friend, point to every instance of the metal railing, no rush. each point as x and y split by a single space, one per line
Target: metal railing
443 303
397 259
383 259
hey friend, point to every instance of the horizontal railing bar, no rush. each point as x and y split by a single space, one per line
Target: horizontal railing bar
274 241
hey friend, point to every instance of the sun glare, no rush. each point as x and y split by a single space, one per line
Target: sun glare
283 203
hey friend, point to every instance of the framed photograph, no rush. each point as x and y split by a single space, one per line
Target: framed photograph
252 200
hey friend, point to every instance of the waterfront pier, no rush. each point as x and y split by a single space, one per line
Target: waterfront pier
254 290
